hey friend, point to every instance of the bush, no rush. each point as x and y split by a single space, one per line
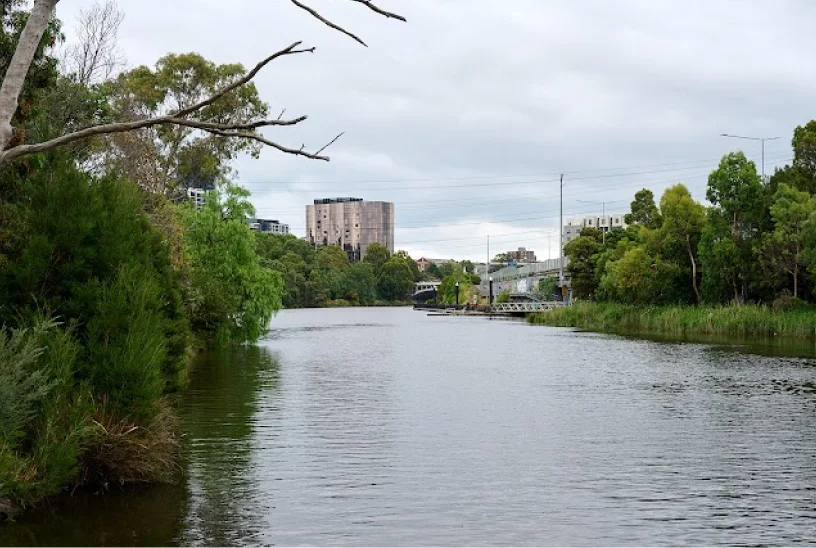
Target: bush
231 297
46 421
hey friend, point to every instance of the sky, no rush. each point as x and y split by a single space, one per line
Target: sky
466 115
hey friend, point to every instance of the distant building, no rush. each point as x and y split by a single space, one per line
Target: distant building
352 224
423 263
197 196
573 227
266 226
521 255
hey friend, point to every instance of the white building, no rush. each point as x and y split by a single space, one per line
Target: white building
267 226
197 196
604 223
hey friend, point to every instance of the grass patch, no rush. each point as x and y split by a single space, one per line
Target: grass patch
744 321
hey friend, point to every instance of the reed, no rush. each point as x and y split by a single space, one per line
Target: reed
744 321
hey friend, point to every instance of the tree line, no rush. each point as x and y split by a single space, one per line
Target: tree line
323 276
109 279
755 242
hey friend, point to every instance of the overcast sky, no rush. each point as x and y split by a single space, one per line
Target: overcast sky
465 115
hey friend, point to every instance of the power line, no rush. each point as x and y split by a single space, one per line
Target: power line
424 205
495 176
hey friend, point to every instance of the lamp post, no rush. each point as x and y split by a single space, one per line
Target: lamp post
760 139
490 283
457 294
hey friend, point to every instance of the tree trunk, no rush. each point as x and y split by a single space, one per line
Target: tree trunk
693 270
796 281
20 64
736 291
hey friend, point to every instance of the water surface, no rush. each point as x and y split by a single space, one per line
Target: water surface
385 427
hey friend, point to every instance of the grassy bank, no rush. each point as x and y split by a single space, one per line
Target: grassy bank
743 321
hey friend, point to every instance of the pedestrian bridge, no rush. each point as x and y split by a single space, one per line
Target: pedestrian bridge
525 306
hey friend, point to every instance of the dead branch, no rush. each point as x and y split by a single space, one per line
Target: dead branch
328 23
176 118
100 55
330 143
230 127
96 57
387 14
368 3
291 50
267 142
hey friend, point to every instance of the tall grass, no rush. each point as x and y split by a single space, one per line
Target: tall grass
744 321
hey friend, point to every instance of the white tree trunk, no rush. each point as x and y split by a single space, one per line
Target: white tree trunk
15 76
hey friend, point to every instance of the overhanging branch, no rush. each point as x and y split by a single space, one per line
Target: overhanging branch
273 144
368 3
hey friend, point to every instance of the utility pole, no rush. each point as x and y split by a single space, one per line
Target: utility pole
760 139
487 264
561 237
603 217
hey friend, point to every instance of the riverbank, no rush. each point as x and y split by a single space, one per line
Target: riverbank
743 321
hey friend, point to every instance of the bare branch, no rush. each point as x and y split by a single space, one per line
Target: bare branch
330 143
96 57
368 3
281 114
328 23
260 139
232 127
291 50
387 14
174 119
86 133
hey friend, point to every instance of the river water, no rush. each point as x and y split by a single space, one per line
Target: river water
388 427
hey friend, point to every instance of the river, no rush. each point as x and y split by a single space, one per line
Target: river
387 427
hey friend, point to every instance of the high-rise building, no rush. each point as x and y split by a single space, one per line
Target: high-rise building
350 223
573 227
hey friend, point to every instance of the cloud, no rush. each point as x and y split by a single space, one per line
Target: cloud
465 115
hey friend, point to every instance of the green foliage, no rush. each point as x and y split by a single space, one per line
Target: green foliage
417 275
44 414
582 253
782 252
503 297
80 233
446 294
804 153
720 262
331 258
644 211
232 297
182 156
683 223
396 281
377 255
22 385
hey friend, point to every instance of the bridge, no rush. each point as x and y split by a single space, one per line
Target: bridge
521 279
424 291
524 303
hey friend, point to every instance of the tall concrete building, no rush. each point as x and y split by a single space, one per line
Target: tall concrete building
350 223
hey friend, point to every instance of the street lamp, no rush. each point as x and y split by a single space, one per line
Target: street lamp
457 294
761 139
490 282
